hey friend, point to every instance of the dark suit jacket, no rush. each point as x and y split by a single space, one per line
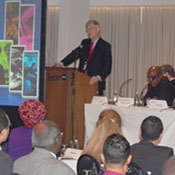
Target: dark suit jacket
162 91
100 62
6 163
150 157
172 82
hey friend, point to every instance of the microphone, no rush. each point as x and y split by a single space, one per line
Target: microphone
142 91
122 85
77 51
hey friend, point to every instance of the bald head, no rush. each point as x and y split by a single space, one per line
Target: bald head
154 75
45 134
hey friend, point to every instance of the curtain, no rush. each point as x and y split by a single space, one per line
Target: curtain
140 37
52 35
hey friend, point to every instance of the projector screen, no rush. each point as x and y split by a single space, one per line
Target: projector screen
20 50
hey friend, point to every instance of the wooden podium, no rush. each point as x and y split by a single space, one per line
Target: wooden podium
58 100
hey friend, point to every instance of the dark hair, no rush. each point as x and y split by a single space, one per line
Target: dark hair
168 68
116 149
151 128
3 120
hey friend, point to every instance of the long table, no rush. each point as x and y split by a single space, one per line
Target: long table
132 118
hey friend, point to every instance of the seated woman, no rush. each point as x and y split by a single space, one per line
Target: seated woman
31 112
109 122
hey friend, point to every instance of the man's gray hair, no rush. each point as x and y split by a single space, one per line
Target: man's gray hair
45 139
168 68
92 21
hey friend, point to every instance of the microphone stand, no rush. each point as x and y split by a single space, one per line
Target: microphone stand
141 95
123 84
73 91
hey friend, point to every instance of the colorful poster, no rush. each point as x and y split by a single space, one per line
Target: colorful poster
30 74
16 60
20 31
27 26
4 61
12 21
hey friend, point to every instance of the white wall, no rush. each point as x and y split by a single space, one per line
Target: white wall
120 2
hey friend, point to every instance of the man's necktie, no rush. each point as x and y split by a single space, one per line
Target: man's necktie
89 56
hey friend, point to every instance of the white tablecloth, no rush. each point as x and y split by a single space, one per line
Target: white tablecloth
132 118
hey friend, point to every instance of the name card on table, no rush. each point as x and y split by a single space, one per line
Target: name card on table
157 104
123 101
72 153
98 100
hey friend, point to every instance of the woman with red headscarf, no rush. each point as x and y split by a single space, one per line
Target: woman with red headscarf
31 112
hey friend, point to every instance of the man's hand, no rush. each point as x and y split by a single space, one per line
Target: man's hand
93 80
56 64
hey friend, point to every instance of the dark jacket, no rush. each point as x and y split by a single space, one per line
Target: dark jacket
100 62
162 91
150 157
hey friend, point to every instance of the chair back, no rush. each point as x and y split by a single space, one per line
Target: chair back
85 164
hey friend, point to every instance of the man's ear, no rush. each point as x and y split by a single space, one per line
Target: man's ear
140 134
160 138
128 161
58 140
103 158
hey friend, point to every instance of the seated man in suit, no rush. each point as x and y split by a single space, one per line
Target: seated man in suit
6 162
159 87
46 140
94 54
116 155
147 154
168 71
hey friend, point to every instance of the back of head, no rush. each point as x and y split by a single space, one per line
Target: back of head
106 125
116 149
151 128
32 112
44 135
154 75
169 167
167 68
109 114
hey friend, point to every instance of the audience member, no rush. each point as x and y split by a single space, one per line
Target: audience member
109 122
31 112
168 71
169 167
116 155
6 162
46 140
159 87
147 154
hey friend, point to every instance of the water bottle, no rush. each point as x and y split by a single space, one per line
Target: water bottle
76 146
115 97
94 170
136 100
71 144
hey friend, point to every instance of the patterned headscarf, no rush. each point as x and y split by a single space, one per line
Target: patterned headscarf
31 112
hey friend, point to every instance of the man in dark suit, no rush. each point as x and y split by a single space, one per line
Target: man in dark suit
94 54
147 154
168 71
6 162
159 87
